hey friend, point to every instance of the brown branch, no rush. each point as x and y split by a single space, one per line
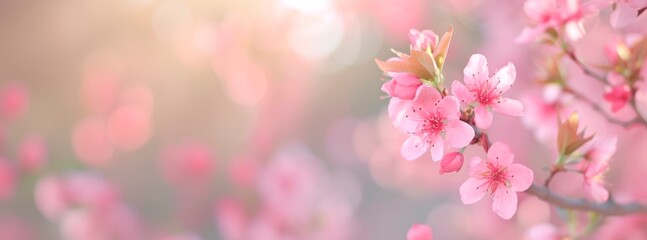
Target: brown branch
571 54
609 207
604 113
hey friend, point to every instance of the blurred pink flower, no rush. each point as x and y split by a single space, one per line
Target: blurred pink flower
486 91
596 164
243 171
100 90
231 219
618 96
51 197
32 153
402 85
563 15
8 180
189 165
91 142
498 176
129 127
14 100
423 40
419 232
451 162
430 121
625 12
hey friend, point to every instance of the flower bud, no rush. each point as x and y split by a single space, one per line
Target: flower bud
451 162
403 86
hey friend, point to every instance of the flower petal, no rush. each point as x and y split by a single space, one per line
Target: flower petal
504 78
475 71
449 107
520 177
483 117
437 151
413 148
398 110
458 133
459 90
500 154
508 107
505 202
426 98
598 192
472 190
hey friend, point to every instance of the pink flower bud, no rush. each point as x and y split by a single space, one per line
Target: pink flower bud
403 86
422 40
451 162
419 232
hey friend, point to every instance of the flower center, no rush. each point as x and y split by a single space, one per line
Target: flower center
496 177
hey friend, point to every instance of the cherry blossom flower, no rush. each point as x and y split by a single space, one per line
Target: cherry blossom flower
451 162
402 85
431 121
619 94
596 164
486 90
419 232
565 15
498 176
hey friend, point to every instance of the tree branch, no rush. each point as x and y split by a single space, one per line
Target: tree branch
609 208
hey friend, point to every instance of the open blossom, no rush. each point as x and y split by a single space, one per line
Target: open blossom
485 90
431 121
402 85
419 232
498 176
595 165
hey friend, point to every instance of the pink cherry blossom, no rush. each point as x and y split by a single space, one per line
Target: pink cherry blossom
498 176
564 15
402 85
619 93
596 164
421 40
431 121
451 162
419 232
485 91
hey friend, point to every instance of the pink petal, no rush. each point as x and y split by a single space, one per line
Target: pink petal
477 166
458 133
508 107
459 90
475 71
426 98
598 192
437 148
536 9
574 30
505 202
413 148
449 107
419 232
472 190
398 110
504 78
520 177
483 117
529 34
500 153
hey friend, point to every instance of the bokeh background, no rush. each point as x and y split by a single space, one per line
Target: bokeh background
254 119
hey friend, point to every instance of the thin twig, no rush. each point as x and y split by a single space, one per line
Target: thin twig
602 112
609 207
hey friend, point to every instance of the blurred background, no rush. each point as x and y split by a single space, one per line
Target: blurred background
248 119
